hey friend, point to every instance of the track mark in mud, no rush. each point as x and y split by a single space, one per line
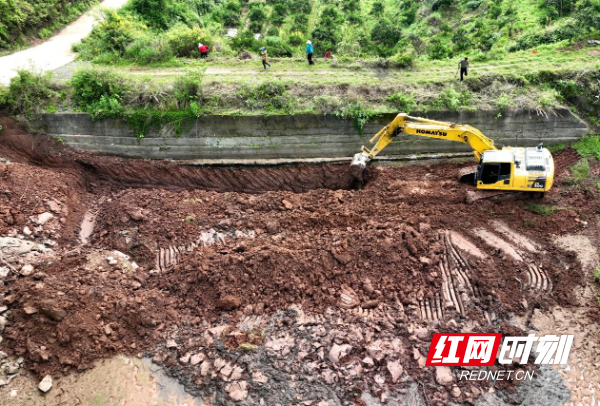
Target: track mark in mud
537 278
457 289
168 257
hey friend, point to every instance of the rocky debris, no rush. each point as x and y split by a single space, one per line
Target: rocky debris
443 375
112 261
52 311
2 324
43 218
338 352
238 391
45 384
27 270
348 298
229 303
196 359
171 344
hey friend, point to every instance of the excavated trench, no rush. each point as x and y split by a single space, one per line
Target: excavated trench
171 176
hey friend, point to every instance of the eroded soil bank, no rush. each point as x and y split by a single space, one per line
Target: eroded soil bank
277 285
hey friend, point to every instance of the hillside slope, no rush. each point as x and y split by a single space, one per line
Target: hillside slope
155 31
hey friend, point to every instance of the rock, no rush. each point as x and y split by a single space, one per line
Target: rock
29 310
238 391
111 261
3 355
171 344
2 324
338 352
54 206
197 358
27 270
3 309
11 368
136 214
44 218
46 384
370 304
287 204
259 377
348 298
368 361
52 311
395 370
443 375
27 231
185 358
3 383
456 392
229 303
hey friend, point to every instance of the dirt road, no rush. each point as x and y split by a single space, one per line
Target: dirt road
286 285
56 51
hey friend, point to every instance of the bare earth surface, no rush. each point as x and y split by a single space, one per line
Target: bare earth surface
288 285
55 52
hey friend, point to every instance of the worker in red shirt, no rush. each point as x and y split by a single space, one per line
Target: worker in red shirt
203 50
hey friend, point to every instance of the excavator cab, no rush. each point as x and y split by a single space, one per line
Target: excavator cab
520 169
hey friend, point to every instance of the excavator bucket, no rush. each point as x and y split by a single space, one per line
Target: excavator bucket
361 159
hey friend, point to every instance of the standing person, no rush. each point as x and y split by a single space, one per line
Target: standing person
263 53
203 50
463 65
309 52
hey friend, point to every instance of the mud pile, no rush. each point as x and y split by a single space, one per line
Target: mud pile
283 284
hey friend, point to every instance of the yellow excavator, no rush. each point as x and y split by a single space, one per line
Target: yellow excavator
508 169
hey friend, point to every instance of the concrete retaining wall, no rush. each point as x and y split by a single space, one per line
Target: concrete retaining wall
301 136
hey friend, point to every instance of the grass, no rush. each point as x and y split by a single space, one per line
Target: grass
588 146
580 171
597 274
542 209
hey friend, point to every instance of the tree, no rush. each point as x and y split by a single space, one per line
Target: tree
385 34
377 9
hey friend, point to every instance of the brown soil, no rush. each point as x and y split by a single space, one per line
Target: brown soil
298 235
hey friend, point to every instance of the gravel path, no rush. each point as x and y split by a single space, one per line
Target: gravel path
55 52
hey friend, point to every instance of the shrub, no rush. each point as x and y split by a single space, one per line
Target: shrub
231 18
403 59
401 102
183 40
453 99
89 85
386 34
107 106
187 88
29 93
505 102
267 96
359 115
255 26
245 40
273 31
257 13
377 9
437 50
296 39
146 50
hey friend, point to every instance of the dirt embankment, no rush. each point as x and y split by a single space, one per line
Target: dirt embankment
256 273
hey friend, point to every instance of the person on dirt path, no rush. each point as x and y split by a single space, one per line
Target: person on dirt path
203 49
263 53
309 52
463 65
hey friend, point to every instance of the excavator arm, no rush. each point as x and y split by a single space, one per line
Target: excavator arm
403 123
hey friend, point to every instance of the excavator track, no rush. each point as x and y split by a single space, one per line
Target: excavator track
475 195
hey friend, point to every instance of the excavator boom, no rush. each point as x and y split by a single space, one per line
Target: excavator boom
403 123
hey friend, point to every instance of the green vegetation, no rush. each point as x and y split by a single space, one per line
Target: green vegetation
580 171
156 31
542 209
23 20
29 93
597 275
588 146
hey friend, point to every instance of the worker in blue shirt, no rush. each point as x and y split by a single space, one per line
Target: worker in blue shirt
309 52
